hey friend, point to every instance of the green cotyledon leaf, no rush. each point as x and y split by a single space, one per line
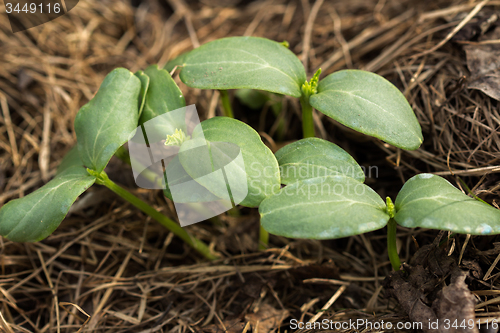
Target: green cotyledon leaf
261 170
244 62
314 157
144 89
72 158
430 201
37 215
163 95
106 122
323 208
368 103
190 190
217 166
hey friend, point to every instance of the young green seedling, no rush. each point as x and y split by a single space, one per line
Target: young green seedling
336 204
36 216
361 100
102 126
109 120
325 198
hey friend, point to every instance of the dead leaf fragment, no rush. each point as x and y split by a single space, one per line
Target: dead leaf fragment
418 291
455 301
266 319
230 326
483 61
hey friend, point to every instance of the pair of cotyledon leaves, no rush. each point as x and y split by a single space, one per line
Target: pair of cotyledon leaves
325 198
124 101
101 127
361 100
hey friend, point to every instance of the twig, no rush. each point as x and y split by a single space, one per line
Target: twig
337 29
364 36
4 325
257 19
44 154
183 10
488 273
109 291
326 281
10 130
455 30
51 285
328 304
471 172
463 249
308 31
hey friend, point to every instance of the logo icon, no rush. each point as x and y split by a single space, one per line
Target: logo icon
26 14
202 178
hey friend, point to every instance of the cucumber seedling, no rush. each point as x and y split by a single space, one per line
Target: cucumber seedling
324 196
102 126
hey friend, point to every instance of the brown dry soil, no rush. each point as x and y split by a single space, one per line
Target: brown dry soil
109 268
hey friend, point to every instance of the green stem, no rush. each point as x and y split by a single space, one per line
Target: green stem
308 89
195 243
234 212
392 246
124 155
263 238
226 106
307 118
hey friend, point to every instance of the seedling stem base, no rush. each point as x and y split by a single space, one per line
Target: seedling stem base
195 243
392 245
226 105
